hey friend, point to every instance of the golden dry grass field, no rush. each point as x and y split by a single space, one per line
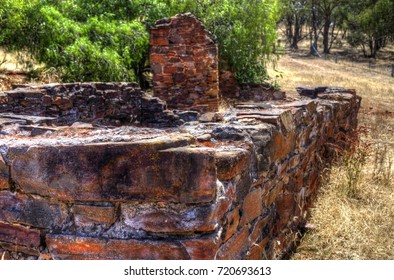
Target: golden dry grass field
354 215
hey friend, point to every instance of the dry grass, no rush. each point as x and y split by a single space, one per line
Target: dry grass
354 215
12 71
8 61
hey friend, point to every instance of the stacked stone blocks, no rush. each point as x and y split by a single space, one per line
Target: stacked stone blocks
184 62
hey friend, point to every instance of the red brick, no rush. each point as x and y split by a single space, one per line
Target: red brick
231 163
252 206
281 146
157 58
202 249
33 211
191 171
89 216
257 230
159 41
63 103
82 248
20 236
170 70
233 219
235 247
175 218
182 40
285 207
160 32
273 194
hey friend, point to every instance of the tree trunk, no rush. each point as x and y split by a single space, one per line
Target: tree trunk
314 34
289 29
294 43
326 34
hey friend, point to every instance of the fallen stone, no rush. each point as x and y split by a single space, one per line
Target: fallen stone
211 117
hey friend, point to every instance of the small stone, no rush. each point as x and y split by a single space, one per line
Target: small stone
211 117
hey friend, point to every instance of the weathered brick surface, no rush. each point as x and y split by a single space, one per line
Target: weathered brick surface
252 206
82 248
231 163
202 249
36 212
110 102
103 172
235 247
16 235
184 62
175 218
87 216
232 222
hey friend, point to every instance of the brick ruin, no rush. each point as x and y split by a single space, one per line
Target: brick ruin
106 171
184 62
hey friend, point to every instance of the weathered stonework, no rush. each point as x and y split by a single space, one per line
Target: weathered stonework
237 188
184 62
98 103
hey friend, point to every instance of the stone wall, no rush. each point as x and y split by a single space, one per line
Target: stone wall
184 62
238 188
98 103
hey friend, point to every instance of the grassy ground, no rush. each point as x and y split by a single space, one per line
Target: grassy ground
354 215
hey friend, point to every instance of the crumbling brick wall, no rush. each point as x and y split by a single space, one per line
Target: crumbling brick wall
184 62
99 103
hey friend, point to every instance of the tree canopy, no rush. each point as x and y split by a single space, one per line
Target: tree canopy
108 40
364 23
